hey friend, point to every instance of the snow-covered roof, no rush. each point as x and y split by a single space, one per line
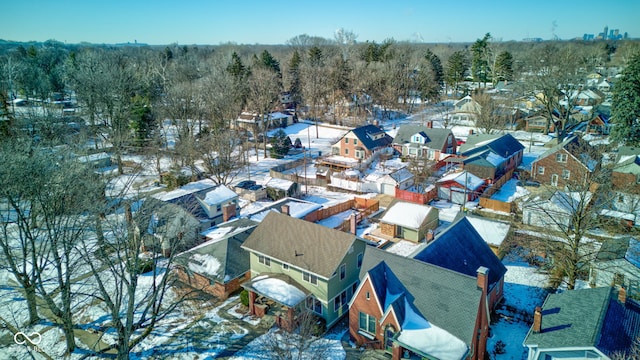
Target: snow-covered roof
407 214
494 158
279 291
472 182
187 189
419 334
280 184
219 195
492 231
204 264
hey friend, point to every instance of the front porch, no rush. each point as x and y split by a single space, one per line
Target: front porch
277 295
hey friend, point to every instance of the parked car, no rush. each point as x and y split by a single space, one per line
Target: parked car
246 184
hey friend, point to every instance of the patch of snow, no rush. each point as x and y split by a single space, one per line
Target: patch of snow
204 264
279 291
405 214
403 247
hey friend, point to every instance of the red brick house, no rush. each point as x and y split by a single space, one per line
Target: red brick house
360 143
402 307
570 162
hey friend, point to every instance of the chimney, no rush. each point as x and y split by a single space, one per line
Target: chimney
285 209
429 235
429 124
166 246
228 211
537 320
470 131
622 295
352 224
483 279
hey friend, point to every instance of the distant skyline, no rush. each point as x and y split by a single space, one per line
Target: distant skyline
213 22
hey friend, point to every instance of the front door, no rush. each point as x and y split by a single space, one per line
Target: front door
389 332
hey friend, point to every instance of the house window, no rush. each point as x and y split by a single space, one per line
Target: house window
340 301
561 158
359 154
310 278
314 305
355 141
540 170
554 180
359 260
566 174
343 271
412 151
264 260
367 323
346 151
218 208
346 140
368 295
431 154
285 267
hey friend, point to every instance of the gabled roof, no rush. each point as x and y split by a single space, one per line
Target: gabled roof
626 248
576 147
463 178
460 248
628 164
189 196
305 245
222 259
587 318
486 158
407 214
504 145
445 298
437 138
367 135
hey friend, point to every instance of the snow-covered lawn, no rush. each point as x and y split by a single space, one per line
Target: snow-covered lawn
261 349
510 191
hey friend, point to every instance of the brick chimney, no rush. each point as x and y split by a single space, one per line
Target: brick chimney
285 209
430 235
470 131
228 211
537 320
429 124
165 245
622 295
483 279
353 225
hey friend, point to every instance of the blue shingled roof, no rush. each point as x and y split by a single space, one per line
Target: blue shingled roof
505 146
621 326
460 248
366 133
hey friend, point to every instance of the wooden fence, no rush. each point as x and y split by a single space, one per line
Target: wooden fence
418 198
488 203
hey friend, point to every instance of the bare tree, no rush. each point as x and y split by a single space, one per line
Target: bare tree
314 84
490 117
264 88
301 343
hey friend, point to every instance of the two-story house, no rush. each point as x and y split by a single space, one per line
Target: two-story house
413 309
570 162
625 181
297 265
491 156
360 143
465 110
424 142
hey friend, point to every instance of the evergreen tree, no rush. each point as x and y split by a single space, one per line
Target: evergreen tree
456 67
479 61
236 68
625 105
267 60
294 76
504 67
436 67
280 144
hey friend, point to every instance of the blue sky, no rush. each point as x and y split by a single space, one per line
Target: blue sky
275 21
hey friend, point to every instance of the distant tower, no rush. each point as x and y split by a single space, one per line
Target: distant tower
605 33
